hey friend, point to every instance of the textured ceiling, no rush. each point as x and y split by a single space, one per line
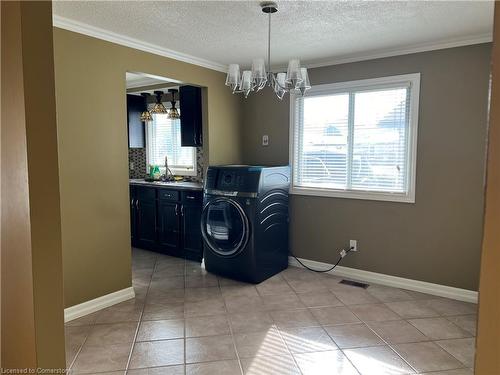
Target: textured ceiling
316 31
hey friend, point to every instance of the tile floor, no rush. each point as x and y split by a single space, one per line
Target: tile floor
187 321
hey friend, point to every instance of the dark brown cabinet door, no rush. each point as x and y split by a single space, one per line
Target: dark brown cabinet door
191 232
168 227
191 116
135 106
146 223
133 216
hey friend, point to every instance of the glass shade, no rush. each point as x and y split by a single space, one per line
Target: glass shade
173 114
159 108
246 82
280 85
259 76
305 84
293 74
146 116
233 78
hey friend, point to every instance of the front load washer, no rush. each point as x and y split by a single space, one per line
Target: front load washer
244 222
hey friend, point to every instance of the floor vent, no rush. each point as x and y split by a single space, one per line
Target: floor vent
355 283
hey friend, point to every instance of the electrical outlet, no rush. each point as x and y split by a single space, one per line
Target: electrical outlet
353 244
265 140
132 166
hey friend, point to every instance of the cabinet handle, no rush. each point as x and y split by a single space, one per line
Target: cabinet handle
182 210
190 197
132 202
176 210
137 203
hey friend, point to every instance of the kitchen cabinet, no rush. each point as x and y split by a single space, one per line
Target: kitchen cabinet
136 136
166 220
190 102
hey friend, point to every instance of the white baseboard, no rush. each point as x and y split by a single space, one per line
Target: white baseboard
98 303
394 281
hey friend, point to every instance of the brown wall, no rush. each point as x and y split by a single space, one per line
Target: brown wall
488 338
438 238
93 153
32 296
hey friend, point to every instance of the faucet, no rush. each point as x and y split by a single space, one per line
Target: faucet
168 173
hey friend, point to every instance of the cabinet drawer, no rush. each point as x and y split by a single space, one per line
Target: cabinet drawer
145 193
168 195
192 196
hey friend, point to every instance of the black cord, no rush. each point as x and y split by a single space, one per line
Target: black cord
322 271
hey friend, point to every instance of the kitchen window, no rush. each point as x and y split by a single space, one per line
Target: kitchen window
356 139
163 138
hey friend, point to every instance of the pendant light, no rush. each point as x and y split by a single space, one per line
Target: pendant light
173 114
159 107
146 115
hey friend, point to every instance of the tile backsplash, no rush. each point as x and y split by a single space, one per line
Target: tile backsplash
137 158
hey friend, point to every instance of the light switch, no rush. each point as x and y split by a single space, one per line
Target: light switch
265 140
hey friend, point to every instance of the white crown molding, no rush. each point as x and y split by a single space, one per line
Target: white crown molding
99 303
96 32
393 281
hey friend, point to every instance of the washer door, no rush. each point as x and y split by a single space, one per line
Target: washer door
224 226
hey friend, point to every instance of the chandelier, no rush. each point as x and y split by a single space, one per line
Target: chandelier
294 80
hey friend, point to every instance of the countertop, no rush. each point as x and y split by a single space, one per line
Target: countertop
181 185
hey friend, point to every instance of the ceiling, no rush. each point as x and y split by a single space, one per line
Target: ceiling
319 32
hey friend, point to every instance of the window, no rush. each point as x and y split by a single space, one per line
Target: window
356 139
163 138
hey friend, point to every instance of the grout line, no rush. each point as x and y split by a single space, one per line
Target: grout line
140 318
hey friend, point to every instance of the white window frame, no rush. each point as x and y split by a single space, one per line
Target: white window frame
175 171
365 84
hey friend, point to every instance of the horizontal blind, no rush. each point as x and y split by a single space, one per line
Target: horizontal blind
354 140
164 139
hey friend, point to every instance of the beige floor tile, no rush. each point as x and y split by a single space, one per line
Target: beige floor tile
161 330
207 326
266 343
451 307
388 294
230 282
160 296
307 286
319 299
214 368
83 321
250 322
233 291
325 363
295 273
154 311
412 309
167 283
202 294
334 285
353 336
460 371
109 334
122 312
210 348
397 331
285 301
294 318
157 353
466 322
461 349
273 286
198 281
74 338
439 328
244 304
378 360
374 313
307 339
167 370
427 356
102 358
204 308
167 271
334 315
271 365
356 296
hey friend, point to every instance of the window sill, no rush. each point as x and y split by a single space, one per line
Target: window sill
184 172
352 194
